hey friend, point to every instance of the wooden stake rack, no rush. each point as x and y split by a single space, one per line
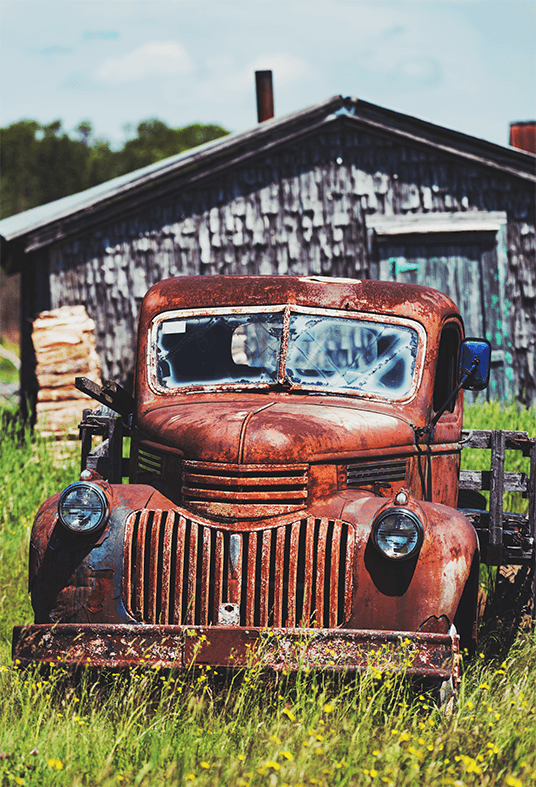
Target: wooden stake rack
505 538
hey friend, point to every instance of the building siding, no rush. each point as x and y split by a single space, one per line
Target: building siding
300 210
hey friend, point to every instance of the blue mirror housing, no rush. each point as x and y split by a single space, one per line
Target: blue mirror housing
475 362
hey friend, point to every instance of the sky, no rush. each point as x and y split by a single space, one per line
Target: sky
468 66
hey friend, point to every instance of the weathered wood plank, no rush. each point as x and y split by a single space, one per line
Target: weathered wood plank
498 442
481 438
481 479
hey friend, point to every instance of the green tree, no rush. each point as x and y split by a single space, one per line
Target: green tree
61 164
41 163
156 141
18 168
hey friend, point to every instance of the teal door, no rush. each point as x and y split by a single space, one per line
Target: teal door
470 267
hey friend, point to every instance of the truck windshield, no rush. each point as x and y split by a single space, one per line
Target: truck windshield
323 351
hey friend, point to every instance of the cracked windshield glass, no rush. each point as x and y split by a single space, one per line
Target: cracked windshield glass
323 352
351 354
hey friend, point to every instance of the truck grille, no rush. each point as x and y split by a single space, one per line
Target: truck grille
383 471
243 491
178 571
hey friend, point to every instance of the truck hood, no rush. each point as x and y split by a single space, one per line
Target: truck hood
276 431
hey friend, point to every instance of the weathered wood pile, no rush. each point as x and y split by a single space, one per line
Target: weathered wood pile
64 343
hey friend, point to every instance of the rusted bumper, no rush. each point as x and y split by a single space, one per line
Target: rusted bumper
337 650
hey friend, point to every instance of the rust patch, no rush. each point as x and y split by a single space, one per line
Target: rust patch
112 646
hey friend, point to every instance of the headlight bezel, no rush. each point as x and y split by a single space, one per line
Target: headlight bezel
398 512
101 505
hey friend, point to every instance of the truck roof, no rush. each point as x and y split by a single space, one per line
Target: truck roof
424 304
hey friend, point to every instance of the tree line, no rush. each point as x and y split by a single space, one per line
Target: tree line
41 163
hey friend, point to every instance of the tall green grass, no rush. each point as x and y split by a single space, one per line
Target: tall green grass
31 470
9 372
152 728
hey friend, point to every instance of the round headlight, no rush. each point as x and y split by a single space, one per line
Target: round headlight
397 533
83 507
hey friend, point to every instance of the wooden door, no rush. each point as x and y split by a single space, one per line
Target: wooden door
467 266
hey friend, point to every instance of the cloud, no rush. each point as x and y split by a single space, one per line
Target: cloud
156 58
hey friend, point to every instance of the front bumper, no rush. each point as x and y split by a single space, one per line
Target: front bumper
336 650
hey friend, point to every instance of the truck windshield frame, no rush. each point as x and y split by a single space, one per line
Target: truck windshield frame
307 349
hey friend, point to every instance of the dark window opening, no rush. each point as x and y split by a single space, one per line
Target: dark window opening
446 371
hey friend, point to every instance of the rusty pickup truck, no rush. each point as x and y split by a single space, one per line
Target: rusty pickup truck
295 497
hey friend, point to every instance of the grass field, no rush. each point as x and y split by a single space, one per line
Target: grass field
150 728
9 372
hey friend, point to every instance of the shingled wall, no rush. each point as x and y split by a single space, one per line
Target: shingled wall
300 210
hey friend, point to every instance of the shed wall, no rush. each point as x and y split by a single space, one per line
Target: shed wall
301 210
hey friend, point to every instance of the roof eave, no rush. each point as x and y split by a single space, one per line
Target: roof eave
169 167
186 168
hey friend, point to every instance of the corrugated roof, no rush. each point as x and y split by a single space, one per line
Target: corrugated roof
262 137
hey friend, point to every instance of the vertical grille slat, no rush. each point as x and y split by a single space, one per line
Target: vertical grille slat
279 574
129 574
179 571
266 537
191 574
334 576
321 572
139 562
155 567
204 597
218 572
235 576
348 586
251 577
180 542
166 570
292 572
308 575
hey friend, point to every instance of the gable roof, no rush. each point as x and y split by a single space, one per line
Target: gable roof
43 225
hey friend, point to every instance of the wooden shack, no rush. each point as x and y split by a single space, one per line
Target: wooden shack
344 188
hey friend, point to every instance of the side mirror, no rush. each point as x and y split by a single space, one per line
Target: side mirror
475 362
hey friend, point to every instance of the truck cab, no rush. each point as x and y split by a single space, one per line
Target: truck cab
293 487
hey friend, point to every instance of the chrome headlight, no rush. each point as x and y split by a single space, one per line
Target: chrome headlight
397 533
83 507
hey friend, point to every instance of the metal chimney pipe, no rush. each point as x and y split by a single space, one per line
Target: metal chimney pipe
265 95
